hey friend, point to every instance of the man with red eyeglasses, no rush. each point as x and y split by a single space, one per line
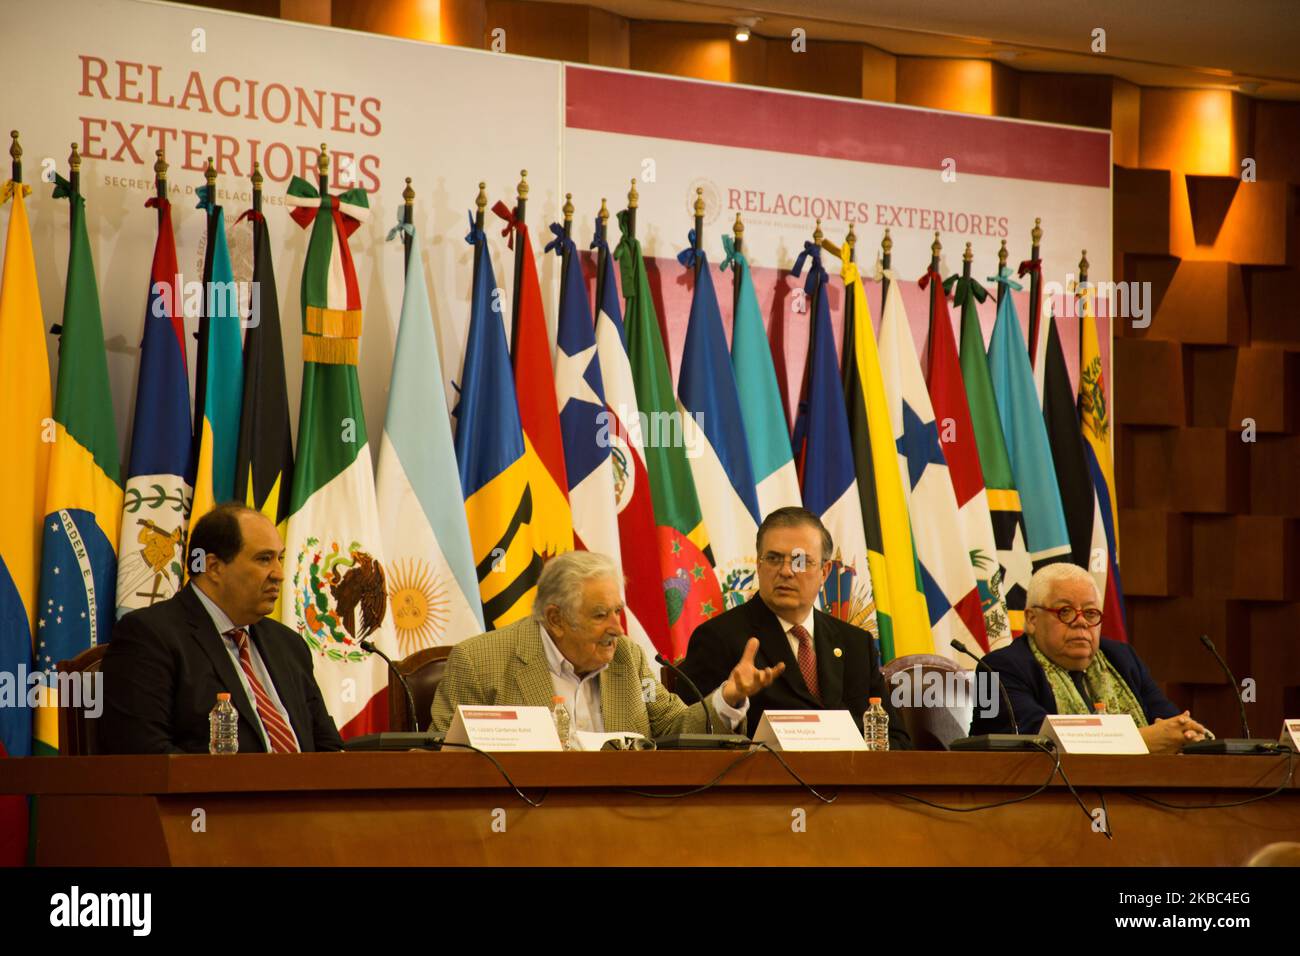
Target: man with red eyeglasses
1063 665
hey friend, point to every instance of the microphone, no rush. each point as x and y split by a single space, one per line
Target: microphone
1244 745
1236 688
997 681
1000 742
707 740
368 645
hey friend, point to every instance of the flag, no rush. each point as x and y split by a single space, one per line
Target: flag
1094 413
761 404
26 428
1025 434
825 456
895 576
957 435
714 429
647 612
83 501
264 453
491 456
334 562
995 466
1064 435
431 581
219 378
952 598
691 589
159 482
539 413
580 393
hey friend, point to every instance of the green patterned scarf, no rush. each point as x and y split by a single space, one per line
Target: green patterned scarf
1105 682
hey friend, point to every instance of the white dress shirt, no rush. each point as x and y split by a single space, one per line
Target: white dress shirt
582 694
224 624
794 641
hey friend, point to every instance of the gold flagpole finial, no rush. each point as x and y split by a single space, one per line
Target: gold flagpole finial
936 247
851 239
480 201
568 207
738 227
1083 266
210 175
408 194
522 189
632 195
967 256
323 161
15 150
257 176
886 244
160 166
1002 256
74 159
817 232
604 210
699 202
1036 234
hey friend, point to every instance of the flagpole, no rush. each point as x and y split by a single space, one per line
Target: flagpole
1083 281
1035 288
818 291
16 158
256 178
631 210
738 232
74 180
521 204
966 258
408 219
886 257
699 229
480 204
936 247
568 235
602 251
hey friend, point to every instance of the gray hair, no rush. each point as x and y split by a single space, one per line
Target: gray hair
1047 577
562 579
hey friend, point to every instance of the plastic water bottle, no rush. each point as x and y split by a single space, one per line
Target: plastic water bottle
875 726
563 722
223 727
1099 707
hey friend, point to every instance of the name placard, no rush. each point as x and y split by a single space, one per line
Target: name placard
809 730
1290 734
1094 733
504 728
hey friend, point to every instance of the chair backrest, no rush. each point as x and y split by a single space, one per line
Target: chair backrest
931 728
423 671
77 733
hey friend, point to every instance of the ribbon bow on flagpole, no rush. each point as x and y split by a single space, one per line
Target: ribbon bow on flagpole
10 187
352 206
1030 265
161 202
561 243
403 228
731 257
879 273
475 234
690 255
1004 278
208 203
965 287
252 215
512 224
817 272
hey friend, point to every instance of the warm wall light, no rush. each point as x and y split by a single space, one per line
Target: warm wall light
743 27
742 34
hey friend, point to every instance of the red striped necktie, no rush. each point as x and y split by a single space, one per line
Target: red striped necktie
277 731
807 660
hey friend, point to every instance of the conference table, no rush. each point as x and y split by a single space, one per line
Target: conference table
425 808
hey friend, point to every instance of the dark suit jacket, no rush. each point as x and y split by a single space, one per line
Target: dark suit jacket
1031 695
167 663
847 681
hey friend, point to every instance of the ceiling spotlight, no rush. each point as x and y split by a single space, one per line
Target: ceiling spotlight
1248 87
1006 55
744 25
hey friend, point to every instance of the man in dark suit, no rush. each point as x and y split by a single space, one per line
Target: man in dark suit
829 664
1062 665
167 663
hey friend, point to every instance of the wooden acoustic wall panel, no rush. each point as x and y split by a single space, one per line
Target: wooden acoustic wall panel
1149 382
609 39
462 22
879 75
963 86
1274 664
307 11
1222 218
412 19
1210 473
1154 274
1203 132
1079 99
1143 461
1274 316
1205 304
1156 552
1275 476
1211 374
698 50
1142 198
1266 390
1125 123
557 31
831 68
1166 633
1276 145
1247 557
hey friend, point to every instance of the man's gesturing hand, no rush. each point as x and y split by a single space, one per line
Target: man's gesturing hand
746 680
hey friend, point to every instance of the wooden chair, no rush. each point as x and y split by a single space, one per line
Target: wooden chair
931 728
423 670
77 733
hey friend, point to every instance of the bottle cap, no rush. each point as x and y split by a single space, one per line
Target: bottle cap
557 699
1099 706
223 696
873 700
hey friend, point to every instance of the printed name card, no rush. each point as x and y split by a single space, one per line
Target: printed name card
1094 733
503 728
1290 734
809 730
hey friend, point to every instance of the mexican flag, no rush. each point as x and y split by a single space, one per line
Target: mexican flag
336 590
